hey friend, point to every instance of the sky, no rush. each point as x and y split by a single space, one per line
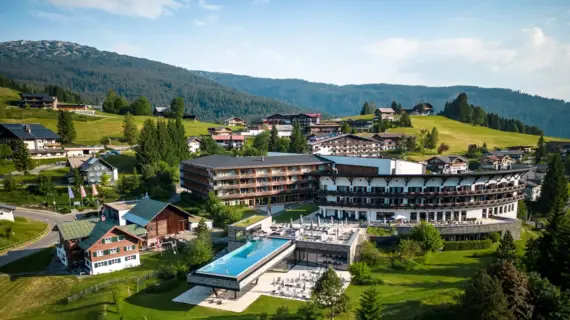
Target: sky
517 44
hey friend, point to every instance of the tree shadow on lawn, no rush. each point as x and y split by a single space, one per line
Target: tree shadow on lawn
416 310
161 300
456 271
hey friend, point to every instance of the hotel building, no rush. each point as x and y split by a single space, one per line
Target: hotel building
253 180
379 191
347 145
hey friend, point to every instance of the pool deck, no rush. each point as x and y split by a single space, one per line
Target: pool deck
203 296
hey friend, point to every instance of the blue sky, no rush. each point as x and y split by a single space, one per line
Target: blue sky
518 44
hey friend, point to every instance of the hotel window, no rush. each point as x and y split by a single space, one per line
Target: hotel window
431 216
439 216
463 215
414 189
343 188
359 189
500 209
413 216
396 189
378 189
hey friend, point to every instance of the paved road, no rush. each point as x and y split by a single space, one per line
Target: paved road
46 241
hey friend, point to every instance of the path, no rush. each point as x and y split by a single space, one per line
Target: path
46 241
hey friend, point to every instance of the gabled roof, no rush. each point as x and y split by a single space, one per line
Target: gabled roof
43 96
77 229
448 159
20 131
76 162
387 135
92 161
6 206
385 110
190 139
100 230
230 162
146 210
234 118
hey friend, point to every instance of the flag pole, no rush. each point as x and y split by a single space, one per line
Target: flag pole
69 196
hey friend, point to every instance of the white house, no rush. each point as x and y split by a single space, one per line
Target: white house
40 141
193 144
7 212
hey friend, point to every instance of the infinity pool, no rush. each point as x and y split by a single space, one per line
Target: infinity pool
239 260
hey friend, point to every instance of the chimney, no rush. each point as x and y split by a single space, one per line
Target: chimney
27 128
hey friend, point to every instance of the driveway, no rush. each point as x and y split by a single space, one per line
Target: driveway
46 241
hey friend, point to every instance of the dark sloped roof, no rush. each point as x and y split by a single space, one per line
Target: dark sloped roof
18 130
6 206
448 159
43 96
90 162
146 210
222 161
101 229
77 229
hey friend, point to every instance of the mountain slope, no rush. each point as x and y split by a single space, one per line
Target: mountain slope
551 115
92 73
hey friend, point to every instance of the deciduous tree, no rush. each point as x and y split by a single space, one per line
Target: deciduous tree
177 107
141 107
329 294
428 236
484 299
5 152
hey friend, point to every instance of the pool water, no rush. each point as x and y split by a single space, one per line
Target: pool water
239 260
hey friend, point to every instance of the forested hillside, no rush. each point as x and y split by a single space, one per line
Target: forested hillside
92 73
549 114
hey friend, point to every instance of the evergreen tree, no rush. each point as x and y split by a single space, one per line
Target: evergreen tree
122 105
345 127
282 313
282 145
165 143
5 152
549 302
202 226
484 299
109 104
141 107
432 139
567 165
178 136
130 130
328 294
554 193
365 109
298 142
507 249
77 178
147 151
405 120
261 142
65 128
479 116
515 288
21 158
45 185
177 107
273 139
522 211
396 107
540 152
370 308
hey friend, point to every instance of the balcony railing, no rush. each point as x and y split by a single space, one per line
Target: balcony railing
264 193
483 203
388 194
261 175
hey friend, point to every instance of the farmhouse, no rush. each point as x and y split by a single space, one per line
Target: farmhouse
234 122
385 113
193 144
38 100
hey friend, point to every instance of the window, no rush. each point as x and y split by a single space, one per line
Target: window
107 240
128 258
98 253
121 238
130 248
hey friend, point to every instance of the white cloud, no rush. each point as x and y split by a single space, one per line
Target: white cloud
209 19
534 62
55 17
150 9
208 6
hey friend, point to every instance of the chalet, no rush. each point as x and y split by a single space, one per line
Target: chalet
193 144
76 108
389 140
7 212
99 246
304 119
161 111
324 128
420 109
220 131
40 141
82 151
360 125
494 162
38 100
93 169
515 155
346 145
385 113
447 164
231 141
160 219
524 149
283 130
234 122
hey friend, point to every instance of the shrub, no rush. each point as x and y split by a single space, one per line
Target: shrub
428 236
467 245
9 183
167 271
370 254
495 237
361 275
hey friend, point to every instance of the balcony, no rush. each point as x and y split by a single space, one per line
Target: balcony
264 193
471 204
388 194
262 175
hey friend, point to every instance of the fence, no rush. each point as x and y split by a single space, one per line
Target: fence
21 243
103 285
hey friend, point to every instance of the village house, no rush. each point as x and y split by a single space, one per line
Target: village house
98 246
234 122
533 189
92 170
193 144
161 111
82 151
562 147
494 162
230 141
385 113
38 100
7 212
324 128
219 131
420 109
40 141
447 164
389 140
303 119
524 149
360 125
515 155
78 108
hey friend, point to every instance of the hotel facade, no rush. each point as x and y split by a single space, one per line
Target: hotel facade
253 181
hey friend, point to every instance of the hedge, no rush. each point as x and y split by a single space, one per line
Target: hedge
467 245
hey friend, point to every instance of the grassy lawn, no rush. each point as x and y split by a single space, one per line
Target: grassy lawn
22 230
249 220
21 197
106 126
58 176
378 231
32 263
296 212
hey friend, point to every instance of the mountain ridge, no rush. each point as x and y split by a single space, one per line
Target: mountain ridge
92 72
